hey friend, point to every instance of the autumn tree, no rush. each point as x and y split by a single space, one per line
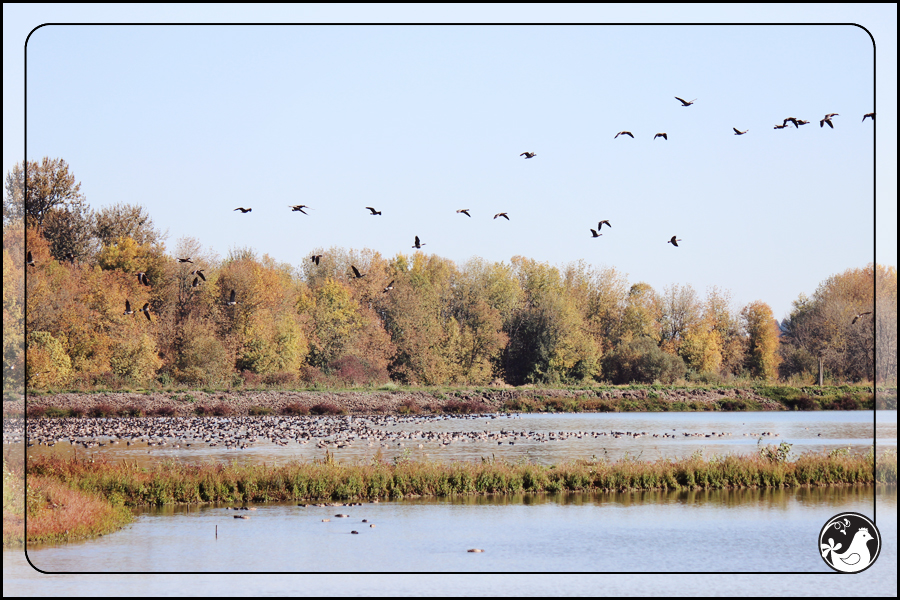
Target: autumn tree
125 221
33 192
762 357
13 307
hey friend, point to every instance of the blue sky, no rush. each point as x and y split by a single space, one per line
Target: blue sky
419 121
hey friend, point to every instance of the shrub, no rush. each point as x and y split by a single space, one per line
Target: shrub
47 362
294 410
259 410
251 379
132 411
326 408
464 407
36 412
642 361
282 379
352 370
162 411
102 410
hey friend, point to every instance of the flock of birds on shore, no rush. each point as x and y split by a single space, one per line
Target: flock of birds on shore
241 433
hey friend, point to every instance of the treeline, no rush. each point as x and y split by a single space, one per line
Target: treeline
440 324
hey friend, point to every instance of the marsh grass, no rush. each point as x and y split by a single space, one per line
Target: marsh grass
173 482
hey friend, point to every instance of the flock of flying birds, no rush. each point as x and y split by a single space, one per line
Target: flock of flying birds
595 233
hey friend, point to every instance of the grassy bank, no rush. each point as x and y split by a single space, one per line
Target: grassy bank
123 483
56 512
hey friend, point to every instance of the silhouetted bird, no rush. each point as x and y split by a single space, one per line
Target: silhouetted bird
464 211
374 212
594 233
600 224
299 207
624 133
502 215
186 260
673 241
872 115
128 310
662 135
29 260
792 120
200 273
827 119
685 103
389 287
196 282
315 258
417 244
231 300
356 272
829 115
142 278
736 132
528 155
146 311
243 210
853 322
801 122
780 126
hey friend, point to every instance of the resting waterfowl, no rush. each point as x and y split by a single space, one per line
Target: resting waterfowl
871 115
673 241
299 207
662 135
528 155
128 310
356 272
737 132
602 223
146 311
853 322
231 300
684 102
417 245
624 133
243 210
374 212
315 258
504 215
29 260
464 211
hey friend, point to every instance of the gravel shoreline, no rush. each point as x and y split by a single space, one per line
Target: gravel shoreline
362 402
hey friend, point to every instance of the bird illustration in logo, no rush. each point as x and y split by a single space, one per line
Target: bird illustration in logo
853 559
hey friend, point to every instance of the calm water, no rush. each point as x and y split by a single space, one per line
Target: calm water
807 431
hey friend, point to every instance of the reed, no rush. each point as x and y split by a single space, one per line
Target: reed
124 483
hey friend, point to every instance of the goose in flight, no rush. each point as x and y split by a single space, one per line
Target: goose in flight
662 135
299 207
502 215
528 155
389 287
231 300
146 311
374 212
200 273
243 210
186 260
780 126
196 282
356 272
29 260
417 244
601 223
801 122
827 119
315 258
685 103
594 233
871 115
737 132
128 310
624 133
673 241
464 211
853 322
142 278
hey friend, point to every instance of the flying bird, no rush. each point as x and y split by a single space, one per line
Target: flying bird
528 155
594 233
128 310
829 115
736 132
196 282
780 126
186 260
685 103
417 244
374 212
231 300
315 258
389 287
243 210
356 272
801 122
299 207
142 278
673 241
853 322
662 135
200 273
872 115
624 133
600 224
502 215
29 260
464 211
826 120
146 311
